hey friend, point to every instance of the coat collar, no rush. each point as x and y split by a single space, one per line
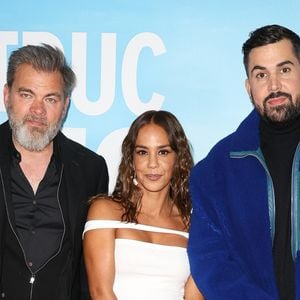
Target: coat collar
246 137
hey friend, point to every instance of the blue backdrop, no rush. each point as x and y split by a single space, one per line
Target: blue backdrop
131 56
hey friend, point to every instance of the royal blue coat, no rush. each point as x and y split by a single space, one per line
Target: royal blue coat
232 230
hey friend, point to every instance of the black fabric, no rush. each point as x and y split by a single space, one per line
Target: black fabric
38 217
278 144
84 175
51 282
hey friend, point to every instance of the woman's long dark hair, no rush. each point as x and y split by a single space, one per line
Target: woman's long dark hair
129 195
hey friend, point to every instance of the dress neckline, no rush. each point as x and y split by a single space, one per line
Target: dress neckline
120 224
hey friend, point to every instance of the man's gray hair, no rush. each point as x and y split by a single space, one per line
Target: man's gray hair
44 58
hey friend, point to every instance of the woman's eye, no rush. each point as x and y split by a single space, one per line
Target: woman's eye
164 152
141 152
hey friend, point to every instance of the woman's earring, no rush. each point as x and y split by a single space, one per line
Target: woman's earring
134 180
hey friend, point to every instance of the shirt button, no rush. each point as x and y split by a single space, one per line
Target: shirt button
30 264
34 202
32 231
2 295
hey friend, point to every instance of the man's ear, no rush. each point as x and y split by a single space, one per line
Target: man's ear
248 88
6 92
66 106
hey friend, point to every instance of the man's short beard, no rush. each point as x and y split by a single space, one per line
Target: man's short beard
32 139
279 114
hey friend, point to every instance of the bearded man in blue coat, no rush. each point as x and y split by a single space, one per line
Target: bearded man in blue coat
245 229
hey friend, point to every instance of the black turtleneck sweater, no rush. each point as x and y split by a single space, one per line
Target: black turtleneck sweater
278 144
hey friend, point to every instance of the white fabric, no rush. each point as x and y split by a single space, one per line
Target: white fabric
146 271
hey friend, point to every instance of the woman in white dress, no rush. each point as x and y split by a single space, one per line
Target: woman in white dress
135 240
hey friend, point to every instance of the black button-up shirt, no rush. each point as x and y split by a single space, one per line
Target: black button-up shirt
38 217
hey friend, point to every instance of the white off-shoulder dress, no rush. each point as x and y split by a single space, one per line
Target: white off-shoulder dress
146 271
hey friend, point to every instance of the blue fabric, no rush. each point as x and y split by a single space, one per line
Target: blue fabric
230 245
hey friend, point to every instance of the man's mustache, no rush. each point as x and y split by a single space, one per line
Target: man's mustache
278 94
35 118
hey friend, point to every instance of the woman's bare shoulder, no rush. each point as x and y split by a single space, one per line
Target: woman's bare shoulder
105 208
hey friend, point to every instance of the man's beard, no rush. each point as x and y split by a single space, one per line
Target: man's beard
281 113
33 138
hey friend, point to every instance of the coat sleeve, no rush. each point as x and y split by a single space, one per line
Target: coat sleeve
102 187
214 267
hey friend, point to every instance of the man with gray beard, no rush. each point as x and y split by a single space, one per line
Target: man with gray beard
45 181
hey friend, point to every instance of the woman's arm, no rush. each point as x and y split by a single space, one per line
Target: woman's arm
191 291
98 250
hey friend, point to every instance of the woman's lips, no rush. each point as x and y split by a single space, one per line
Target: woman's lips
153 177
